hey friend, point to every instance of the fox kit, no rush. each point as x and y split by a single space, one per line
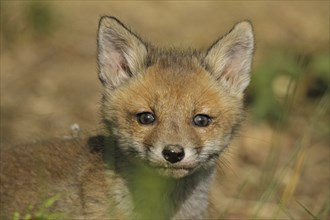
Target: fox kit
168 115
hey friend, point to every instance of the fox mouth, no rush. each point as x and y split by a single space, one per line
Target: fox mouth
173 167
174 171
168 167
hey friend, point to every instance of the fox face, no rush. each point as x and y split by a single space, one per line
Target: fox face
173 111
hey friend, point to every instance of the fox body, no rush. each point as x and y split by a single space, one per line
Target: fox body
168 115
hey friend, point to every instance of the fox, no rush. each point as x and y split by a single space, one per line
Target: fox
168 115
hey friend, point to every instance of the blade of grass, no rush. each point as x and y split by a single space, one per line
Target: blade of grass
298 168
324 208
275 183
309 212
321 109
289 190
230 204
273 156
286 211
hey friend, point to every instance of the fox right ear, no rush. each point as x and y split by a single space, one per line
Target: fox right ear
120 52
229 59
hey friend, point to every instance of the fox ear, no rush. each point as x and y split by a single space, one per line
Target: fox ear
120 52
229 59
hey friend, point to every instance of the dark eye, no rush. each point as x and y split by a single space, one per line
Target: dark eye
145 118
202 120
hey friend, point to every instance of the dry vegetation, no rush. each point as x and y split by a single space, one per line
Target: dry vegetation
278 166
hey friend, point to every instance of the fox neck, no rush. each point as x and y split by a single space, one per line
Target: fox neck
152 195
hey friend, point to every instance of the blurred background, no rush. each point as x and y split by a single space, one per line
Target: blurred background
278 165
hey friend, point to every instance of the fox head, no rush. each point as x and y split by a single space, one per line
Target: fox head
173 110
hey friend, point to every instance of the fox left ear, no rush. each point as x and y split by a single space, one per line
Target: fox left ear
229 59
121 53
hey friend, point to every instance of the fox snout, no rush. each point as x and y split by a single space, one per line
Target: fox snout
173 153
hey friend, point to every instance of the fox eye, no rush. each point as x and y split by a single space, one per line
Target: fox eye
145 118
202 120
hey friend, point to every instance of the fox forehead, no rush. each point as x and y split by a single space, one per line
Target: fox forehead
173 89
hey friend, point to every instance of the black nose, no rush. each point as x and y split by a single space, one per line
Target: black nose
173 153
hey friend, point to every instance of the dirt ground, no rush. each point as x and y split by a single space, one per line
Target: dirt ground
49 82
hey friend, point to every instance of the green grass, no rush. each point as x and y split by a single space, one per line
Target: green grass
41 213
